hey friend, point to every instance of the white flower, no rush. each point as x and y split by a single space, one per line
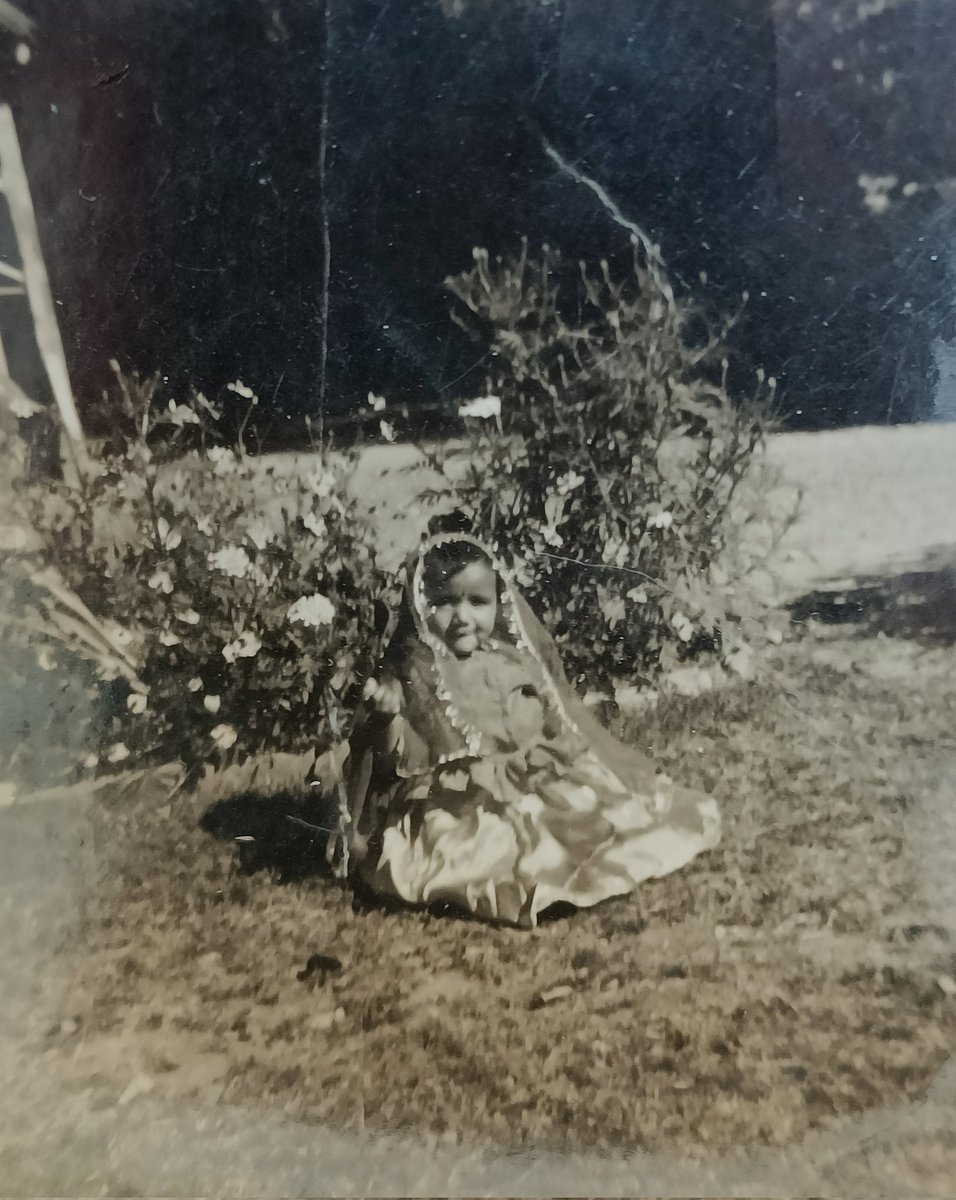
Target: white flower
260 533
222 458
661 520
377 402
387 430
551 536
22 407
136 702
190 616
638 595
211 704
568 482
204 525
91 761
182 414
195 684
45 660
614 611
484 406
160 581
683 625
315 524
231 560
241 390
314 610
224 736
876 191
170 538
168 639
117 753
246 645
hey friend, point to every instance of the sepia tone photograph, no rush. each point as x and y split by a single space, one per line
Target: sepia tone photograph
477 598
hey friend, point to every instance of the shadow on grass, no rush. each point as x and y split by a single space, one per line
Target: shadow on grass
364 901
286 833
916 605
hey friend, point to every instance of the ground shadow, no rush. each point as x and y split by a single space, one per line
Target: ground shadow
286 832
916 605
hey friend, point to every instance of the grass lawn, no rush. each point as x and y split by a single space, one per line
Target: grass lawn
801 971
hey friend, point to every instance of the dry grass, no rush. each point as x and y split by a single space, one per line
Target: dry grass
790 976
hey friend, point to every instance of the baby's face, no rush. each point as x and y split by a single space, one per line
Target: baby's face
463 607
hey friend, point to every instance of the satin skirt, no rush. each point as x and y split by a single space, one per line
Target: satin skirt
505 840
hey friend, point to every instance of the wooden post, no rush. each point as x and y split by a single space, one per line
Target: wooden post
14 185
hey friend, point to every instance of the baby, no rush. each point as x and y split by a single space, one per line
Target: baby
461 593
475 776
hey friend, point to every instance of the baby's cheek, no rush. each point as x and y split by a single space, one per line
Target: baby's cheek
438 620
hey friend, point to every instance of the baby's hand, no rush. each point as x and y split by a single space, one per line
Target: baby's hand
384 696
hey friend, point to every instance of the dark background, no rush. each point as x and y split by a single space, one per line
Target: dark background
173 150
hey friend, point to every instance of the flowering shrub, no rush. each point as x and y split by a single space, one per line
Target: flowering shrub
609 461
232 605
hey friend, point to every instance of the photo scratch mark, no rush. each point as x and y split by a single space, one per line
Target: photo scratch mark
116 77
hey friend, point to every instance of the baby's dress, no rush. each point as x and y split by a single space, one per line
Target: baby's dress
532 818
